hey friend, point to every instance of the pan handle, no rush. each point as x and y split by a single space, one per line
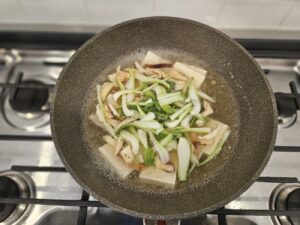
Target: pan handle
161 222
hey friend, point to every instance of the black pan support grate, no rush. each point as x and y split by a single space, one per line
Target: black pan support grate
258 48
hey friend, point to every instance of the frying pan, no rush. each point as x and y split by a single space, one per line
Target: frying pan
244 101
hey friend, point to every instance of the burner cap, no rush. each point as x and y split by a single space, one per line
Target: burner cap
29 99
293 203
8 189
285 197
15 184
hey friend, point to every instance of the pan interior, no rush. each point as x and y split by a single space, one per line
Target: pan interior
244 102
214 85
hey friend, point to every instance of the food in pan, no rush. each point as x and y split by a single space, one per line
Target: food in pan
158 120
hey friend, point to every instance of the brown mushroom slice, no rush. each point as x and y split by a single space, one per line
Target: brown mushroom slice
174 74
208 110
119 145
156 176
106 88
165 167
114 123
120 167
154 61
107 112
213 124
208 139
122 76
127 154
156 73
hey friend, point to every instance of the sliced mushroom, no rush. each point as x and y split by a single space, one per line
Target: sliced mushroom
199 123
165 167
106 88
119 145
156 73
197 151
174 74
122 76
114 123
127 154
107 112
208 139
208 110
193 137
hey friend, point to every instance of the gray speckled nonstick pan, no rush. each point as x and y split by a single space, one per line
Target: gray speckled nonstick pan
244 101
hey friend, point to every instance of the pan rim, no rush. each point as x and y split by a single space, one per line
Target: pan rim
184 215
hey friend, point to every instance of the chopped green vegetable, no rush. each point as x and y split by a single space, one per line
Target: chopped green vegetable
162 152
175 123
195 100
158 127
118 94
180 111
127 112
168 99
130 86
140 110
166 140
132 140
159 90
217 149
206 97
149 155
148 125
200 130
186 121
172 85
168 109
143 138
145 79
184 154
148 117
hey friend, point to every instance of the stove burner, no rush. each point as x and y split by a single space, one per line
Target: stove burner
29 100
27 107
15 185
293 203
285 197
286 122
8 189
287 107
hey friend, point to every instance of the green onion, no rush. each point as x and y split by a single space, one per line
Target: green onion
132 140
162 152
149 156
184 154
145 79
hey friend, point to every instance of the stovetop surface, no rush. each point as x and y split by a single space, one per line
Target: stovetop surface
46 66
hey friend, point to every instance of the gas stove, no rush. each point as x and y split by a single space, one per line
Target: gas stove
30 169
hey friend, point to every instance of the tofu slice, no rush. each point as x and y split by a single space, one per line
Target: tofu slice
152 59
213 124
157 176
197 73
121 168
